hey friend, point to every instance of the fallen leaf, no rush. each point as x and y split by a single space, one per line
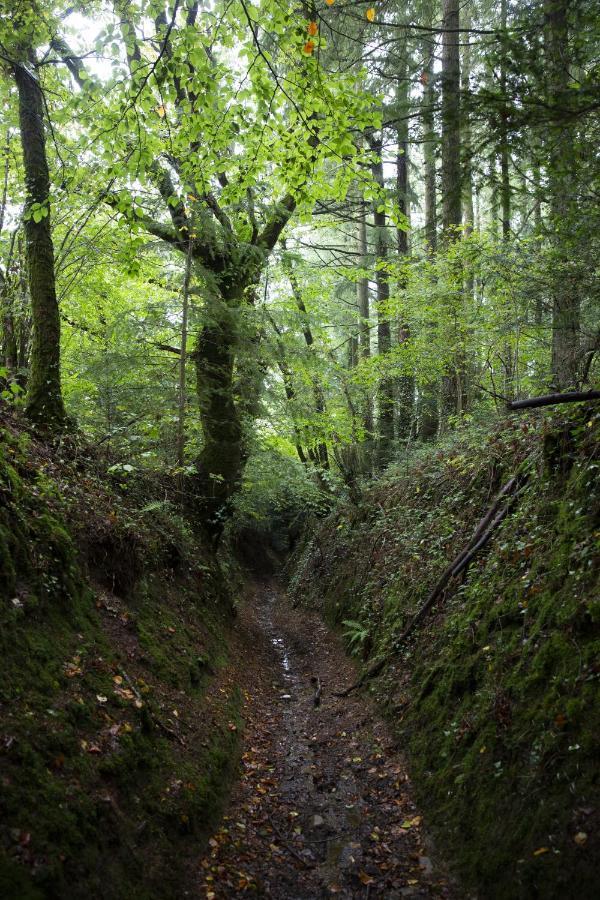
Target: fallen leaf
580 838
541 850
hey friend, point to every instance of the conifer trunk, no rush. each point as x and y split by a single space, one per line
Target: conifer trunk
405 387
452 382
566 299
451 145
429 392
385 387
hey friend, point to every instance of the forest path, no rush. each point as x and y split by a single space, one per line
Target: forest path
323 807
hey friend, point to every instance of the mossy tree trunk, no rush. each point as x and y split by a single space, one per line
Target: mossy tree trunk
44 402
221 460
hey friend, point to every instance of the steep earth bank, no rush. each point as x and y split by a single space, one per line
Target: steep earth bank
118 713
495 694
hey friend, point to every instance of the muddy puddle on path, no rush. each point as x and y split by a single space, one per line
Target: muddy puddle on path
323 807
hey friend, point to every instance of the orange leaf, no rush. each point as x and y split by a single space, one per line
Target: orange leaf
312 28
370 14
329 2
308 47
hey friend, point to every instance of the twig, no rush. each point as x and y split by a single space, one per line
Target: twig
288 846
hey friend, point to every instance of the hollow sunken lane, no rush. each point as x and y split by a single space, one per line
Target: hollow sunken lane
323 806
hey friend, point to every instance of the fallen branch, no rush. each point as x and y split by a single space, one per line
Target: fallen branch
288 846
553 399
480 537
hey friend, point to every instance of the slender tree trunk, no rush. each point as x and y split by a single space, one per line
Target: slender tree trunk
362 292
429 393
566 299
538 225
451 144
505 192
182 393
468 209
321 454
405 387
429 147
44 403
385 387
505 203
452 382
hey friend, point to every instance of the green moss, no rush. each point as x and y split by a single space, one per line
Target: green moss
86 813
498 690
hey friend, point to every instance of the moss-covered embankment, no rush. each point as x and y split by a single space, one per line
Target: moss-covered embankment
496 695
117 743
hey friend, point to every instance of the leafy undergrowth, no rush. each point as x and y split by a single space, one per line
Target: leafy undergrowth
496 693
117 743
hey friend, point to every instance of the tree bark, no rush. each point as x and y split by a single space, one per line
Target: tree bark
220 462
429 393
452 386
554 399
44 402
385 387
566 299
468 211
451 145
429 142
405 386
362 295
182 398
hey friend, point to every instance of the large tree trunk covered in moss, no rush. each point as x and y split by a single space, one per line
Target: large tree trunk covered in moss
44 403
221 460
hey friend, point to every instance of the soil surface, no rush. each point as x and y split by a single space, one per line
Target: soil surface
323 806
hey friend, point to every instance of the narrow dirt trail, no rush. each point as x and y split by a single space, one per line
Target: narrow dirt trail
323 807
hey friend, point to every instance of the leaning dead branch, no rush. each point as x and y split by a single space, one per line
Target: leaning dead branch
496 514
553 399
